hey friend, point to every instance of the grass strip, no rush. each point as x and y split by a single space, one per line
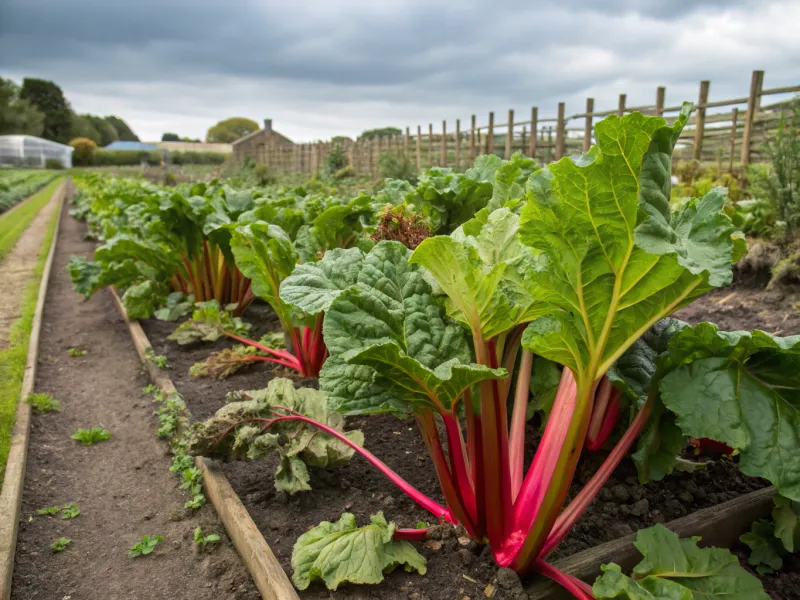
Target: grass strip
14 357
14 223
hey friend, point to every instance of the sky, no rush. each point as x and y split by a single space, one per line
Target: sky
320 68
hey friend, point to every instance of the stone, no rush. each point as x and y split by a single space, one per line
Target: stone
610 508
686 497
640 508
605 495
508 579
621 493
637 493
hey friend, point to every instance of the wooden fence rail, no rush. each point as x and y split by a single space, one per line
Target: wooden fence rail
720 136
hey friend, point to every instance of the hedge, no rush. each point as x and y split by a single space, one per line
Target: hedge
102 158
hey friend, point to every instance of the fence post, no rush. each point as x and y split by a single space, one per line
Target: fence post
621 106
524 131
472 142
443 152
419 148
405 142
734 119
430 145
700 120
753 102
490 135
559 149
534 127
661 93
509 133
458 143
587 130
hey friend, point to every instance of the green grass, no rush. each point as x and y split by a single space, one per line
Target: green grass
14 223
14 357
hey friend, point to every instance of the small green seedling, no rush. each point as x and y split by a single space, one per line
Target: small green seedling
87 437
76 352
70 511
50 510
43 403
202 540
158 360
144 547
149 389
60 544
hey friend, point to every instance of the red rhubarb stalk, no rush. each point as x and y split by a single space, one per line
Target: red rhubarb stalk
517 434
580 589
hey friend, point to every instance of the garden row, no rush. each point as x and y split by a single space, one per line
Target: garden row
520 317
15 186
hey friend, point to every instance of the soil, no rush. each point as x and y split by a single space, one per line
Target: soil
455 570
123 486
18 265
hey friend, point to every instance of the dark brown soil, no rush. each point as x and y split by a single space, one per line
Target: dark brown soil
123 486
622 507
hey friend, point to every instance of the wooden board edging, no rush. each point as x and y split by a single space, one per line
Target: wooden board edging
718 525
267 573
14 481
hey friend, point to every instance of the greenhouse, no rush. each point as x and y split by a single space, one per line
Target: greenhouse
27 150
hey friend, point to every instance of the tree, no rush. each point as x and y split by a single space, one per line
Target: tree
124 133
84 149
106 130
49 99
18 116
230 130
170 137
83 127
381 132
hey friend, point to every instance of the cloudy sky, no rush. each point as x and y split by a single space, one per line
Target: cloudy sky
327 67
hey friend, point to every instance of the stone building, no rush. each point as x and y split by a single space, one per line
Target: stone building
260 145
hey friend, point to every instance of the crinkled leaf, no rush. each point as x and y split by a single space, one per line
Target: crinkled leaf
677 569
142 299
766 551
742 389
208 324
342 552
292 475
618 259
177 305
786 514
313 286
225 362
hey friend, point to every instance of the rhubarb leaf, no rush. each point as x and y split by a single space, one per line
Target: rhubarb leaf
341 552
142 299
391 304
786 514
618 259
766 551
677 569
237 432
742 389
177 305
312 287
209 322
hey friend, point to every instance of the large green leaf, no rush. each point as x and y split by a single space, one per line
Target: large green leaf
209 322
742 389
390 305
342 552
766 550
677 569
618 259
786 514
312 287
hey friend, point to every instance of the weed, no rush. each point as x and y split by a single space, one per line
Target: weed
87 437
60 544
158 360
70 511
146 546
201 540
149 389
50 510
43 403
77 352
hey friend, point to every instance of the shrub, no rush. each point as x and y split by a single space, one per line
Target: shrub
84 150
192 157
53 163
265 175
395 166
344 173
337 159
105 158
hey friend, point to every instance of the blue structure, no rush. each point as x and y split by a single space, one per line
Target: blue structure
138 146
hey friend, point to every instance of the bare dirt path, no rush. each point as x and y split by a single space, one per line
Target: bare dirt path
123 486
18 266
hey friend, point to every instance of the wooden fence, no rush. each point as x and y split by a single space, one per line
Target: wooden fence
732 137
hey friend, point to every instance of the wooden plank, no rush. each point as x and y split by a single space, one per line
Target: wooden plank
458 143
419 148
430 144
534 126
734 119
700 119
14 478
621 105
509 133
472 141
719 525
524 132
587 130
559 152
756 82
490 135
661 93
443 151
405 142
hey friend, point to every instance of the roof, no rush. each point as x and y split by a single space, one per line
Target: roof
41 141
194 147
282 137
118 145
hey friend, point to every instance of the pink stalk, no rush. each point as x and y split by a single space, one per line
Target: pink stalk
567 519
272 360
294 334
516 435
433 507
410 535
580 589
607 425
288 356
458 465
306 344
